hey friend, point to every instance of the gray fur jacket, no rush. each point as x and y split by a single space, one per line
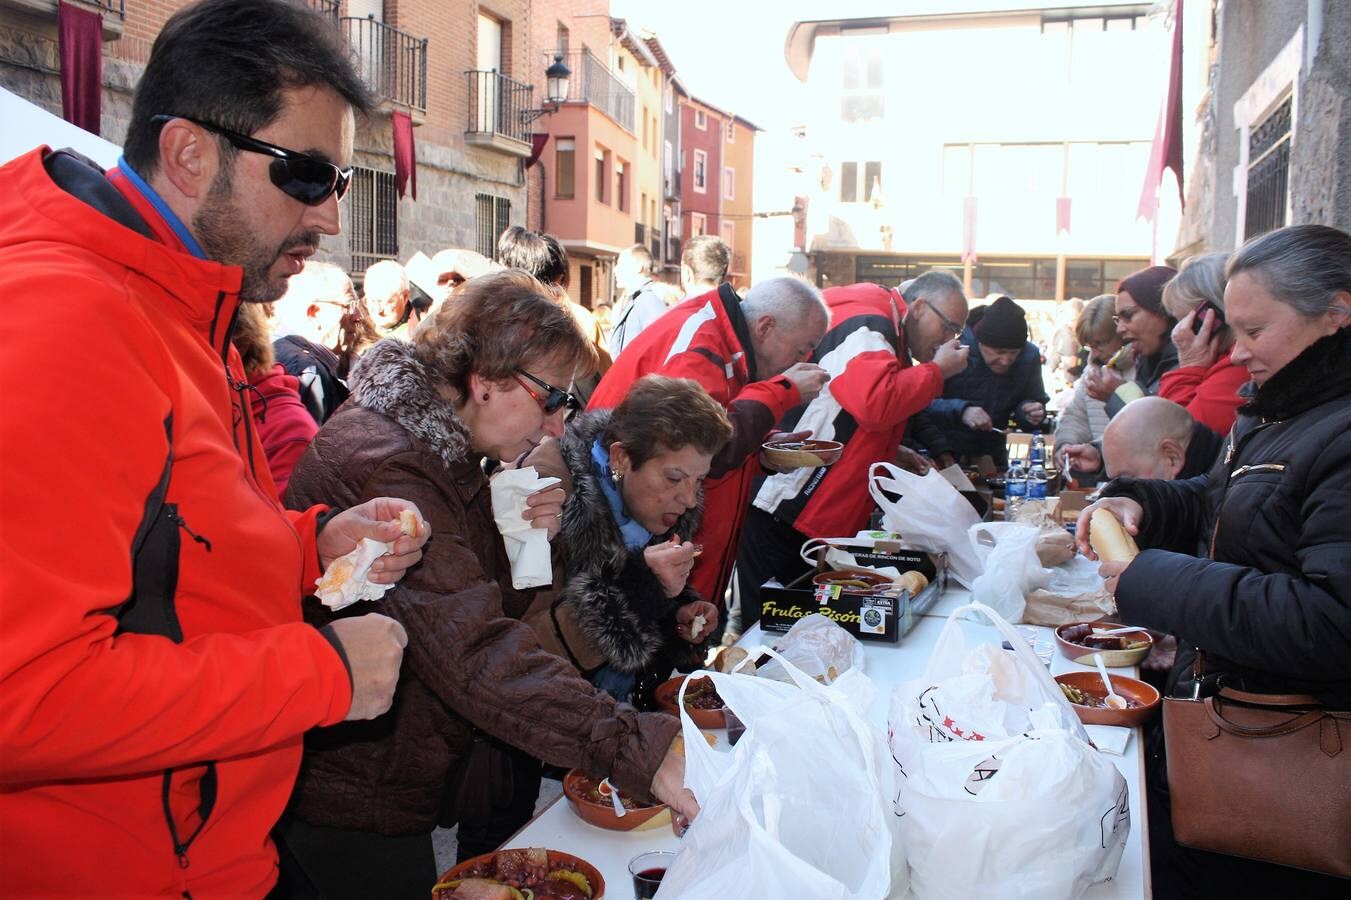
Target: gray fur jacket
606 606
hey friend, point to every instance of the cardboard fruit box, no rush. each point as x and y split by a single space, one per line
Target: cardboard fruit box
868 616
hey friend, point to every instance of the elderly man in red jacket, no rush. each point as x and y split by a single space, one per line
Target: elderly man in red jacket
750 355
157 677
873 391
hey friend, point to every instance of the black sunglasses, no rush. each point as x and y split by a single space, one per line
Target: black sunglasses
556 399
299 175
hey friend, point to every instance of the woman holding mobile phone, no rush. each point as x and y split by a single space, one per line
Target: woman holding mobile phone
1206 380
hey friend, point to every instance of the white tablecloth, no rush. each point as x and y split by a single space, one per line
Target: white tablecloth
558 828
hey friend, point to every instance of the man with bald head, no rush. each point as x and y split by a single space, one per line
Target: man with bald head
1156 438
386 291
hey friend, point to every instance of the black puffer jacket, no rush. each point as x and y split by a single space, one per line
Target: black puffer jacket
606 605
1257 565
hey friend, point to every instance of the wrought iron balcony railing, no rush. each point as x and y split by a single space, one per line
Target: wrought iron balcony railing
496 102
392 62
593 82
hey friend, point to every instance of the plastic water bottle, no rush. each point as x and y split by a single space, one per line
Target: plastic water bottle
1038 452
1015 489
1036 481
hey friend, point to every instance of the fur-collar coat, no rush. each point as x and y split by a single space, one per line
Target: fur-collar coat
607 606
470 667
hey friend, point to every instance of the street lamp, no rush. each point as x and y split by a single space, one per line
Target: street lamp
556 79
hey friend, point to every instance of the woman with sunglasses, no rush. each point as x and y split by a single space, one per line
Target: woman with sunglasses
479 381
621 603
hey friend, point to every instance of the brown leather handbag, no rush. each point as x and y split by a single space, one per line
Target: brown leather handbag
1263 776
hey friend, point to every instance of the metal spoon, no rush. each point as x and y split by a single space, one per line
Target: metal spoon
1114 700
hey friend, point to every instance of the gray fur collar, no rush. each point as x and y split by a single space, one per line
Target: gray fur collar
390 379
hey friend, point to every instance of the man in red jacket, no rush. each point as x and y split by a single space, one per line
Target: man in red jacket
750 355
156 674
873 391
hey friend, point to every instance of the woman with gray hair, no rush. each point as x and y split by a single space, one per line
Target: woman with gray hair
1252 562
1206 381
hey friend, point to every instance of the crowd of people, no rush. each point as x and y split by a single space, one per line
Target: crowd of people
186 715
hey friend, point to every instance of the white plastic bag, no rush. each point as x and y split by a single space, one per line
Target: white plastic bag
930 515
998 791
1010 567
798 808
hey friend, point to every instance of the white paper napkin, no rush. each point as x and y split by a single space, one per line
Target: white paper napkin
527 546
1109 738
344 581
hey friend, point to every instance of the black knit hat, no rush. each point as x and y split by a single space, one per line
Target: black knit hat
1004 325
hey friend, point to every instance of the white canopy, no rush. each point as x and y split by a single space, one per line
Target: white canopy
28 126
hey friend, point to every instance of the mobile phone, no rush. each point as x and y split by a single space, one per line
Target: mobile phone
1200 312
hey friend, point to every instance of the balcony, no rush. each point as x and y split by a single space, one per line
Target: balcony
592 82
113 12
393 63
650 238
673 249
495 106
670 185
327 8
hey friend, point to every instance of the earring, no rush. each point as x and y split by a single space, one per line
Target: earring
616 476
485 396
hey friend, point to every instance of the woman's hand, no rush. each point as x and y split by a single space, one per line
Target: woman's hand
544 509
1127 511
1101 382
1111 574
378 520
1197 349
685 616
671 562
668 786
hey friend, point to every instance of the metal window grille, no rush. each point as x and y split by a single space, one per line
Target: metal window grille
1268 172
373 204
492 217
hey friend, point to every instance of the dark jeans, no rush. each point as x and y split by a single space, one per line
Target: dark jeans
499 788
320 863
769 549
1181 872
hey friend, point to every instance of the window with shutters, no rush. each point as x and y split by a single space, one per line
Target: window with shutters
373 208
493 217
565 156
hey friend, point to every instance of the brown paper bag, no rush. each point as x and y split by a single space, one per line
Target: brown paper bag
1046 608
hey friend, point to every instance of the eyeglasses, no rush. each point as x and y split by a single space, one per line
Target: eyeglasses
306 178
948 324
1126 315
554 400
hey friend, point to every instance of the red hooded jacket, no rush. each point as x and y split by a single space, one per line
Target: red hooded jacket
872 393
706 338
125 431
285 426
1210 394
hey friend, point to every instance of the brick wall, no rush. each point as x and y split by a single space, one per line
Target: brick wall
450 173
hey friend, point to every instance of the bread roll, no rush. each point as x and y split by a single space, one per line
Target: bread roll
914 582
1109 540
727 660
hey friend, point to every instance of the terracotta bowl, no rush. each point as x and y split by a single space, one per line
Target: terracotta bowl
1130 688
1110 658
854 582
557 859
577 784
788 455
667 695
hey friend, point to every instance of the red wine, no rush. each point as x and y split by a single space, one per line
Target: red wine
646 882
